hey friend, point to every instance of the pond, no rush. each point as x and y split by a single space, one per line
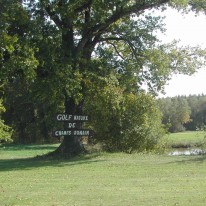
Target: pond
184 151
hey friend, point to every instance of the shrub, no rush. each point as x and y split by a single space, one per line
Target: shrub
125 122
5 131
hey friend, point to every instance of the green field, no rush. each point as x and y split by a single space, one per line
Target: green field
187 139
116 179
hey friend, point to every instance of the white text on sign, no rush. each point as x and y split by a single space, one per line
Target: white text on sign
83 132
70 117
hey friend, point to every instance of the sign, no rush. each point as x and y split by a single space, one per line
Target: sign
74 121
71 118
73 132
72 125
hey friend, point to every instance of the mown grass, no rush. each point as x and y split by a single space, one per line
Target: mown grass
100 179
187 139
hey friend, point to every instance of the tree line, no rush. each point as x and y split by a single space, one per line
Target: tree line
183 112
88 57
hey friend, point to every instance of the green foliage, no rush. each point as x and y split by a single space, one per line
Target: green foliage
176 112
194 5
104 105
60 56
163 60
198 112
5 131
141 123
124 122
16 54
183 113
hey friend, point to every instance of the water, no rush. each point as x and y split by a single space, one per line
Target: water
188 152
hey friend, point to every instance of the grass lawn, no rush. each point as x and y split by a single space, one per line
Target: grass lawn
187 139
100 179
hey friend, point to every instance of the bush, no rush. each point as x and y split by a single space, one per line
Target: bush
125 122
5 131
141 124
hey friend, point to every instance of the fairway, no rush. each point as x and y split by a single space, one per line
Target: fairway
116 179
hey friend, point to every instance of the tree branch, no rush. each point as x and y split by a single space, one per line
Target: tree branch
83 7
112 39
52 14
124 12
101 28
129 43
116 50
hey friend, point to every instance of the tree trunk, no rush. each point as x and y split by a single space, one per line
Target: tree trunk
71 145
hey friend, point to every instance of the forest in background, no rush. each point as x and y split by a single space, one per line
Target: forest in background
182 113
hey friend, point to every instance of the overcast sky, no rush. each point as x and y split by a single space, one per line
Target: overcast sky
191 31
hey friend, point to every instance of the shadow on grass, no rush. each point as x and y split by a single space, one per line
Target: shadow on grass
191 159
15 147
30 163
199 158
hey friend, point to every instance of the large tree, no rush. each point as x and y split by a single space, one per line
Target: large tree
121 32
82 42
17 61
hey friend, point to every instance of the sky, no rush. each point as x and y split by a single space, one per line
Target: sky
190 30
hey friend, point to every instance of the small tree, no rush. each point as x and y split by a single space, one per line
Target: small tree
141 124
124 121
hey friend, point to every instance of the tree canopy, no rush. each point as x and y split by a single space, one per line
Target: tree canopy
124 32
